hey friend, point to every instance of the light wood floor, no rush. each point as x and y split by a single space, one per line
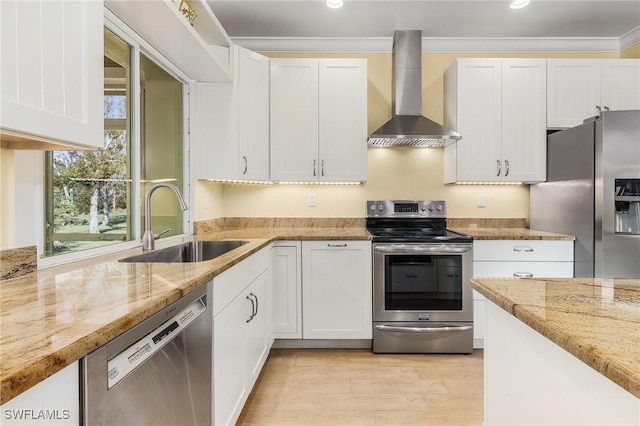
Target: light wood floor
358 387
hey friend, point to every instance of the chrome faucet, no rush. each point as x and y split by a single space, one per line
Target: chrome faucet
149 238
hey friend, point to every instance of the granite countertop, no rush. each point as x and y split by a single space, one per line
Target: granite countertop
511 234
52 317
596 320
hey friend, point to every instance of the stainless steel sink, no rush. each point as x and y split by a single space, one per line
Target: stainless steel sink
195 251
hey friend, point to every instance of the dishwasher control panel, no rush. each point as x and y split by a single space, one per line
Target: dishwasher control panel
127 361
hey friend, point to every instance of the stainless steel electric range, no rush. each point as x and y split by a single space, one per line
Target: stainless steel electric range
422 298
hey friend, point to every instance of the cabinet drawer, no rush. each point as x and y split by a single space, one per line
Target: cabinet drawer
234 280
523 250
536 269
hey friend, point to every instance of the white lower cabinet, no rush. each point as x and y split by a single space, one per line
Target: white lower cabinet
516 258
54 401
242 333
336 289
286 282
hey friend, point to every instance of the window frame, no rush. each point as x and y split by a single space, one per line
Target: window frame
138 46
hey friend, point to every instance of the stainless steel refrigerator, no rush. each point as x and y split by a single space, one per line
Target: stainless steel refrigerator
593 192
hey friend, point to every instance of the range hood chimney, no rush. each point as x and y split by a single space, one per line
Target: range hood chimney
408 127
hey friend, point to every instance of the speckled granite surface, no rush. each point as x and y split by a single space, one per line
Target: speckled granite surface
511 234
596 320
55 316
17 262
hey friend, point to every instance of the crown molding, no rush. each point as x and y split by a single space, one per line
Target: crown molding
630 38
440 44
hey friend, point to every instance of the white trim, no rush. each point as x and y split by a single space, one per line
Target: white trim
439 44
138 46
629 39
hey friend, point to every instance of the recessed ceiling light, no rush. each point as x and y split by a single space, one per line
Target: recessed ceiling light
334 4
519 4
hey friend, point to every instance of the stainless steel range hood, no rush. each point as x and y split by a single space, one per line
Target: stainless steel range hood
408 127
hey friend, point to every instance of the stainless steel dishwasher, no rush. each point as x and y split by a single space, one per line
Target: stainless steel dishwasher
157 373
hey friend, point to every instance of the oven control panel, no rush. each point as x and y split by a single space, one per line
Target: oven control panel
406 208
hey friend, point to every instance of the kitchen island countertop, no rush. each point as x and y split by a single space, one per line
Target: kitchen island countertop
596 320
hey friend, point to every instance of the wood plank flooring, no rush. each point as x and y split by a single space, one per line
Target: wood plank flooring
358 387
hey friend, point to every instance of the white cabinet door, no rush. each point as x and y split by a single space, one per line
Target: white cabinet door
287 291
253 115
318 120
52 71
54 401
524 109
336 288
230 373
294 120
242 334
233 122
342 120
576 87
498 106
258 328
620 84
477 117
573 91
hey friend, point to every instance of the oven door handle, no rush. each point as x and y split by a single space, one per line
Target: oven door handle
432 249
430 329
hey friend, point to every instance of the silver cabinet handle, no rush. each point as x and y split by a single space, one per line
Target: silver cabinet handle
322 167
499 168
598 111
523 274
314 167
257 304
253 307
442 329
337 245
506 165
520 249
606 109
246 164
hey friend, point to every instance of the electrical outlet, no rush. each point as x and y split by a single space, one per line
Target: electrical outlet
205 202
312 200
482 200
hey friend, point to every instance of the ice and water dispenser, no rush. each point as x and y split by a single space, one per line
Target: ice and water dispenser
627 201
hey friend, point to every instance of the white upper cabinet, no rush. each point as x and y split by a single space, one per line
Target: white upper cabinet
51 75
577 87
498 106
318 120
233 122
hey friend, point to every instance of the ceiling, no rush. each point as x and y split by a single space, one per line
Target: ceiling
447 25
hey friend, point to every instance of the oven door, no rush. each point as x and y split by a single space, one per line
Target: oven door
422 282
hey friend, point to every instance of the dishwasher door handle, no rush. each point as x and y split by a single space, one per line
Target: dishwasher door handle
429 329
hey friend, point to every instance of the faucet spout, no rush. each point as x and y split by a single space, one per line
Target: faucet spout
148 239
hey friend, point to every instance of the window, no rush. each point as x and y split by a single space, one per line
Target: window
95 198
